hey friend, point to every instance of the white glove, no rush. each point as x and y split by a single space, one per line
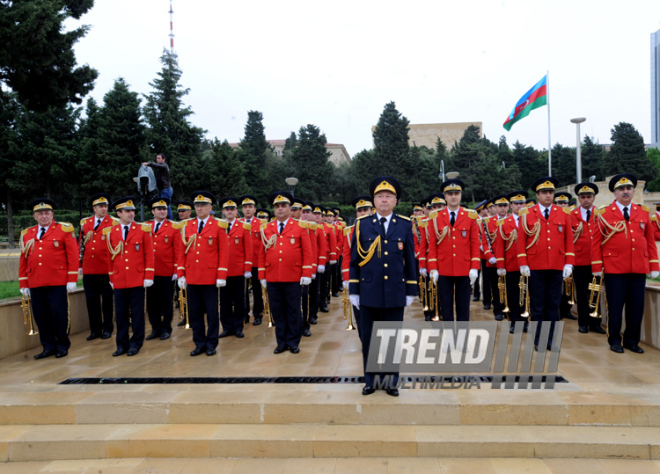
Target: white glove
474 274
501 271
80 271
313 276
597 274
355 300
345 285
148 283
25 292
409 300
182 283
247 274
492 260
111 285
263 282
321 269
423 272
524 271
70 287
332 262
654 275
220 283
434 276
305 281
174 277
568 270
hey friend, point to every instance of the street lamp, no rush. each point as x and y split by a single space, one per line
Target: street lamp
291 182
578 164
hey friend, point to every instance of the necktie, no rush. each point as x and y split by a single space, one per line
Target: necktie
626 216
125 232
201 226
452 220
547 214
229 227
43 230
98 223
383 220
588 215
281 227
157 227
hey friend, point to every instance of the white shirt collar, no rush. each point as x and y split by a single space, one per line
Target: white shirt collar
378 216
583 213
285 223
543 208
621 206
45 229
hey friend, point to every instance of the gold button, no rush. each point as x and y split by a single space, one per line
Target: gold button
386 265
127 260
386 277
94 241
199 245
280 259
92 248
633 249
92 256
39 264
633 240
548 239
386 253
631 231
454 246
454 255
126 268
197 253
196 261
39 255
385 241
548 231
549 248
40 248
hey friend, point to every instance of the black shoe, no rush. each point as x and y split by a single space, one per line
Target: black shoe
225 334
616 348
247 319
44 354
210 352
569 316
511 329
106 335
181 323
294 349
61 353
392 392
93 336
280 349
165 335
197 351
634 348
118 352
583 329
132 352
153 335
499 317
335 295
324 309
475 298
598 330
525 327
256 322
239 334
314 319
428 318
368 390
486 307
306 332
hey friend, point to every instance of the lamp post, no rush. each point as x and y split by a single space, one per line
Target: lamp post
578 161
291 182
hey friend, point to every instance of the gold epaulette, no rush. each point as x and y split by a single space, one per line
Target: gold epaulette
601 210
433 215
263 226
423 224
24 231
303 224
222 223
84 221
66 226
347 230
500 222
404 217
146 228
566 210
177 225
645 208
261 221
654 218
343 224
472 214
247 226
523 211
107 230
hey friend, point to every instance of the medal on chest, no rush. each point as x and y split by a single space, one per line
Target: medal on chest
56 243
137 246
560 229
400 245
464 233
210 240
166 239
641 225
293 240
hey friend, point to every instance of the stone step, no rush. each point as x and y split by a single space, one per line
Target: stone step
306 405
52 442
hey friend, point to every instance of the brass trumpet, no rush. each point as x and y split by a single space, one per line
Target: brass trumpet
183 306
596 287
501 285
569 288
26 304
524 295
348 312
267 306
423 293
434 302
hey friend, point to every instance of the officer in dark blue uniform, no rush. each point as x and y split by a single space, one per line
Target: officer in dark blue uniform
383 269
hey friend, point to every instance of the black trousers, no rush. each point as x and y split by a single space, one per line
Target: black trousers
232 304
545 289
129 311
564 306
476 291
314 296
513 296
50 307
257 297
367 316
454 289
333 284
304 303
491 275
324 285
487 290
159 304
625 289
285 300
204 299
99 297
582 278
430 301
336 276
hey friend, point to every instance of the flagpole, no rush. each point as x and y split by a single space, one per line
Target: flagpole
547 88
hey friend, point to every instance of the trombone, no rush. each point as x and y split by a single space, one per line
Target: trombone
596 287
348 313
267 306
26 304
501 285
524 295
569 289
183 306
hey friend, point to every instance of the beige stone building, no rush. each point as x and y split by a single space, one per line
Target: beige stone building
338 153
427 134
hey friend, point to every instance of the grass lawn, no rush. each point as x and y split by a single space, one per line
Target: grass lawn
10 289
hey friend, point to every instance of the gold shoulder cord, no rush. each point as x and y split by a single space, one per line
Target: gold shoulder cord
618 227
513 237
89 236
535 232
190 242
366 256
577 232
440 236
115 251
26 246
268 243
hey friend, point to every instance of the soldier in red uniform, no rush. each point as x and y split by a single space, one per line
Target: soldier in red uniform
131 270
184 209
582 223
422 258
321 215
623 248
168 250
454 252
319 242
95 257
285 266
47 271
481 211
239 270
249 208
488 238
202 270
545 253
563 199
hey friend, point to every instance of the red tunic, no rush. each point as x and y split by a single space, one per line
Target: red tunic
550 243
286 257
205 258
131 261
506 244
239 243
453 250
168 248
582 235
96 258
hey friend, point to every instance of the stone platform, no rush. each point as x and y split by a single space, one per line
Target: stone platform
609 410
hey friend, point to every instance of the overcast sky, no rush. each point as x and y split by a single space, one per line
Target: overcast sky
336 64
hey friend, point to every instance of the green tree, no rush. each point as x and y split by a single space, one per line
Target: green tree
169 130
592 159
531 161
9 113
225 170
255 146
391 148
311 165
627 154
37 60
653 154
563 164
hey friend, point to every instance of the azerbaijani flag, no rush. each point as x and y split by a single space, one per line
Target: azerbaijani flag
536 97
